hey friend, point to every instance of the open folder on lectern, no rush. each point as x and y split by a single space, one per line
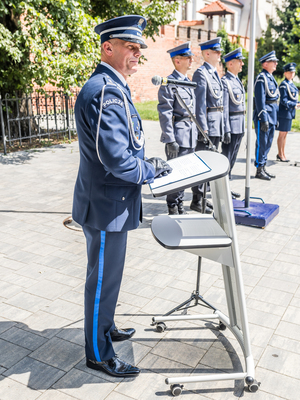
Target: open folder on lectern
184 167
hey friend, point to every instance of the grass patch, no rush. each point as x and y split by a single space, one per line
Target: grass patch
296 122
148 110
39 144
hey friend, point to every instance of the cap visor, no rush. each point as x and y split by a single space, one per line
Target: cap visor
143 45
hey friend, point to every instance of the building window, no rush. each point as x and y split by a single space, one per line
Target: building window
199 34
188 32
232 22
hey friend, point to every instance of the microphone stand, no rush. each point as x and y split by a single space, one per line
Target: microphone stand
211 146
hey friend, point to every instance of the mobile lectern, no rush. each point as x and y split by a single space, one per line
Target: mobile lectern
213 237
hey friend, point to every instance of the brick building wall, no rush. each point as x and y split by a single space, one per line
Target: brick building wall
159 61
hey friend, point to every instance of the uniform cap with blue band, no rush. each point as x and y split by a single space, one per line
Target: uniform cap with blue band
128 28
183 50
235 54
269 57
213 44
289 67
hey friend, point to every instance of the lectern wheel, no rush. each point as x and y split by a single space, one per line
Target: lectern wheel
176 389
222 326
160 327
252 384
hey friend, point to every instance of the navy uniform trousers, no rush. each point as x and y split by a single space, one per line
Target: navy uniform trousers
263 143
106 256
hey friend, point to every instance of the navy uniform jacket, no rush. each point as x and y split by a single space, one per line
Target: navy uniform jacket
234 102
288 100
265 90
112 169
209 93
175 122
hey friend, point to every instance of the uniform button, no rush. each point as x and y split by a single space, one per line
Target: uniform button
123 198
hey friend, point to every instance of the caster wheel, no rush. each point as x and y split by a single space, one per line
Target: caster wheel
176 390
252 384
222 326
160 327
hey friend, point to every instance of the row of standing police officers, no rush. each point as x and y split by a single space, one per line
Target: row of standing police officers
219 107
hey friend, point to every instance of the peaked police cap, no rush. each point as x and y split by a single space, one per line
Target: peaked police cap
128 28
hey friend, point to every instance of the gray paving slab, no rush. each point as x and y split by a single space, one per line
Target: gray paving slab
42 274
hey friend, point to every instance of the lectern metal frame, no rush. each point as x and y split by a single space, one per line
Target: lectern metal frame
214 238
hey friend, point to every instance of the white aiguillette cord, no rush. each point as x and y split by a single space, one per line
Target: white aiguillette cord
136 143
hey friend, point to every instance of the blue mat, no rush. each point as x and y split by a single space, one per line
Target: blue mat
257 214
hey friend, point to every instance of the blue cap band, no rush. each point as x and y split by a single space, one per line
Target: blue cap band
210 46
233 56
182 51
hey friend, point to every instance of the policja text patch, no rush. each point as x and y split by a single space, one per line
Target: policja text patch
111 102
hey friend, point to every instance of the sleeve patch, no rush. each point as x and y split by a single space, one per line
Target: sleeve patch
111 102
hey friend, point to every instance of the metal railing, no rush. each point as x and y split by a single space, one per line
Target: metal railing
36 116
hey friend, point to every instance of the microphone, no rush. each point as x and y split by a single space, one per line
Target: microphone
157 80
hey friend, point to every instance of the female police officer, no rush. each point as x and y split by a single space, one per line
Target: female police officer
287 108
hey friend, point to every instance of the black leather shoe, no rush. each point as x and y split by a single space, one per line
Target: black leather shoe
260 174
181 209
280 159
235 195
118 335
209 204
197 206
173 210
114 367
268 173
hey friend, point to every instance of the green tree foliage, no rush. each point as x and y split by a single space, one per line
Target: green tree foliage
53 41
45 41
294 49
280 36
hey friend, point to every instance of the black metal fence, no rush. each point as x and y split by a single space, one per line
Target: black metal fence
36 116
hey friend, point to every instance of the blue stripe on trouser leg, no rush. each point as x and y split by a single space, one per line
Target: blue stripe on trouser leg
99 315
97 297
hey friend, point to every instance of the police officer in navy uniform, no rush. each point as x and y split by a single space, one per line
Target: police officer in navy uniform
266 95
234 108
209 107
287 108
178 131
107 196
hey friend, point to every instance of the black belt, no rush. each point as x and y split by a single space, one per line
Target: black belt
271 101
213 109
237 113
177 119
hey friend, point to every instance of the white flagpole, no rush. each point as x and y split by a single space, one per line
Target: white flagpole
250 99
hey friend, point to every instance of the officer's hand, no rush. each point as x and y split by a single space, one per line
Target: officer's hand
264 126
277 124
227 138
161 167
202 138
172 149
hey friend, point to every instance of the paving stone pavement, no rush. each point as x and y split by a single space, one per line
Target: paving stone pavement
42 273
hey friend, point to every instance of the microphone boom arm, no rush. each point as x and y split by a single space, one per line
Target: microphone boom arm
211 146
